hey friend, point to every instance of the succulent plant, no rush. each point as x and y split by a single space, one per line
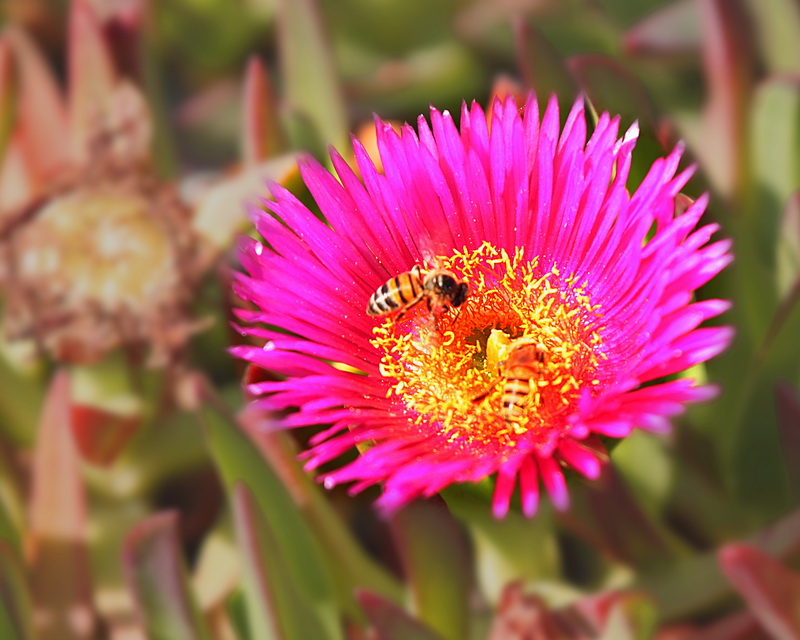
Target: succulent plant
185 269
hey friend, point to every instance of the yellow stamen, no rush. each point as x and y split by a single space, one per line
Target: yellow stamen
449 371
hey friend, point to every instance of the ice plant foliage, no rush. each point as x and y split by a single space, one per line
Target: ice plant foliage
105 256
97 251
580 303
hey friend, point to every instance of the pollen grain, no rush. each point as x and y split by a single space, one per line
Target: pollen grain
449 372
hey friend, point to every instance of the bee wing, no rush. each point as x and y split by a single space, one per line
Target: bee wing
434 240
433 249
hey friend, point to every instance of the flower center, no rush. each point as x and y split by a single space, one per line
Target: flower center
511 362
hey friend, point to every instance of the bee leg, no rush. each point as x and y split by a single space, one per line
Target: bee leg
491 386
432 313
528 400
408 306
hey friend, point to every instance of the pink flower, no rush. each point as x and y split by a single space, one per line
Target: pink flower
580 304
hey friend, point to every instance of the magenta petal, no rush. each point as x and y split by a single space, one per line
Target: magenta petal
529 486
503 488
612 429
553 480
580 458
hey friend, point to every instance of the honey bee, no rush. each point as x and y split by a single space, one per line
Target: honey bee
439 287
519 371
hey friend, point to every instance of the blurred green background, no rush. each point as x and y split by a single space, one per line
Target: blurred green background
173 517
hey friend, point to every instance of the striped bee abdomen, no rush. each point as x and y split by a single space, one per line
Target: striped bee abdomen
522 370
515 395
401 292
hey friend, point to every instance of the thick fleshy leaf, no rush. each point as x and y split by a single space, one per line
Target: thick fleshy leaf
497 561
436 559
101 435
351 567
673 28
390 622
6 96
58 526
16 619
777 23
698 497
610 87
312 87
540 64
170 451
443 74
771 591
18 182
767 323
261 135
788 250
12 510
111 520
693 584
521 615
157 578
91 75
105 412
236 608
775 135
239 462
20 401
263 571
124 25
728 65
220 213
775 139
645 465
627 616
685 587
301 131
752 444
787 402
607 515
217 572
606 616
741 625
278 605
41 111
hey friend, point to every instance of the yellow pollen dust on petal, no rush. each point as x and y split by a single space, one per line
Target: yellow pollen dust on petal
510 362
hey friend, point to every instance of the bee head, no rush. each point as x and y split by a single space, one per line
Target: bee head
446 286
460 294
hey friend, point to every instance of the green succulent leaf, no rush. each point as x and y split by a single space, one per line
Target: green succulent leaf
157 577
292 546
775 136
495 542
20 402
771 590
7 94
311 82
16 619
58 524
391 622
436 558
279 604
777 24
